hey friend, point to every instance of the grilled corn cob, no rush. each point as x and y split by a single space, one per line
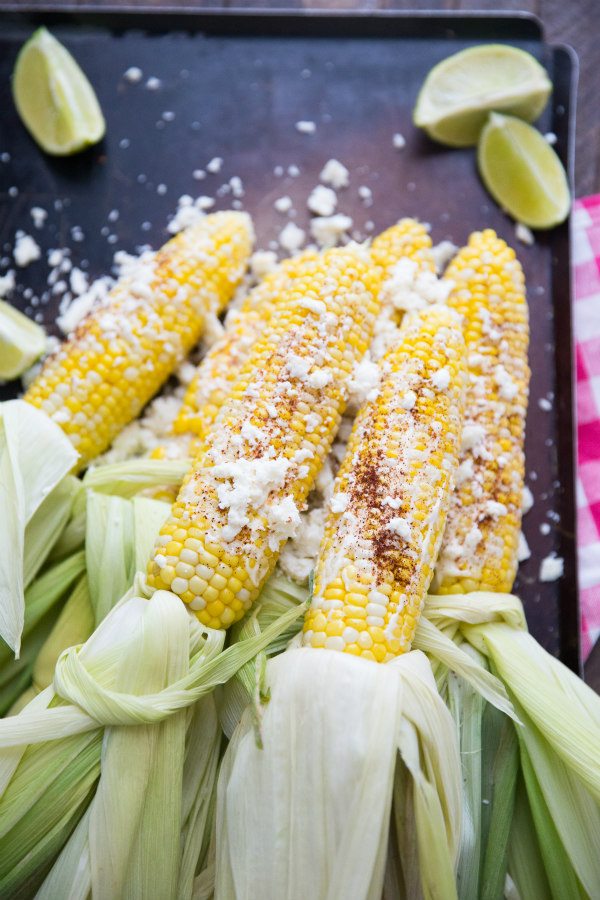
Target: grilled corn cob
391 496
480 545
242 497
217 372
104 374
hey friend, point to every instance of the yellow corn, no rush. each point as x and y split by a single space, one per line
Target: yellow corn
391 496
259 461
480 546
408 239
103 375
218 370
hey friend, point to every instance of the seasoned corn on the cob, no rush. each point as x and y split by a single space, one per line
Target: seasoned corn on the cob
242 497
391 496
480 545
218 370
119 356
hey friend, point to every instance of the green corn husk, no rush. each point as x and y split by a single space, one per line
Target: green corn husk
42 602
557 733
35 504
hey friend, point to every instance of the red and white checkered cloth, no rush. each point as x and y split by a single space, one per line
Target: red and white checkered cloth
586 278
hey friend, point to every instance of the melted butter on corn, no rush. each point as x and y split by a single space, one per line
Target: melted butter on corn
391 496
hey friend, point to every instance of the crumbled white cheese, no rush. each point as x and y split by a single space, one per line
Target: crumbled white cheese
552 568
215 165
410 287
464 472
318 379
133 74
442 254
401 527
284 521
364 382
408 400
293 171
298 557
441 379
328 230
339 502
26 249
7 283
366 195
153 83
262 262
495 509
73 312
243 484
322 201
524 234
38 215
523 551
545 528
189 212
283 204
545 404
291 237
472 438
508 390
78 281
550 138
399 141
305 127
237 186
527 500
335 174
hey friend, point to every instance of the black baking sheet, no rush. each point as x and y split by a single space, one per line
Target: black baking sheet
233 85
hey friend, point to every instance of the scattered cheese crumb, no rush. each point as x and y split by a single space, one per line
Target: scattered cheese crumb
293 171
153 84
327 230
39 216
527 501
442 254
441 379
261 263
78 281
7 283
399 141
236 185
335 174
133 74
364 383
524 234
552 568
366 195
214 165
283 204
199 174
523 551
322 201
545 528
339 502
508 390
472 438
305 127
291 237
544 404
408 400
26 250
400 526
550 138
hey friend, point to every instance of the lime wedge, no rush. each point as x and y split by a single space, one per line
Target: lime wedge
54 98
21 342
523 173
459 92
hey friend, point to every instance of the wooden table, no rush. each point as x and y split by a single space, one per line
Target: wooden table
574 22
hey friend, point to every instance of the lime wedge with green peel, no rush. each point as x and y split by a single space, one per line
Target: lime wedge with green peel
523 173
460 92
21 342
54 98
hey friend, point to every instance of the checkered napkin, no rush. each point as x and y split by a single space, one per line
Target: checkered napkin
586 311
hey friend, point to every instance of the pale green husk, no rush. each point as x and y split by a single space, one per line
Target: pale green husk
331 734
32 499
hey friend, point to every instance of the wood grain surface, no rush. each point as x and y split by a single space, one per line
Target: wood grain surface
573 22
